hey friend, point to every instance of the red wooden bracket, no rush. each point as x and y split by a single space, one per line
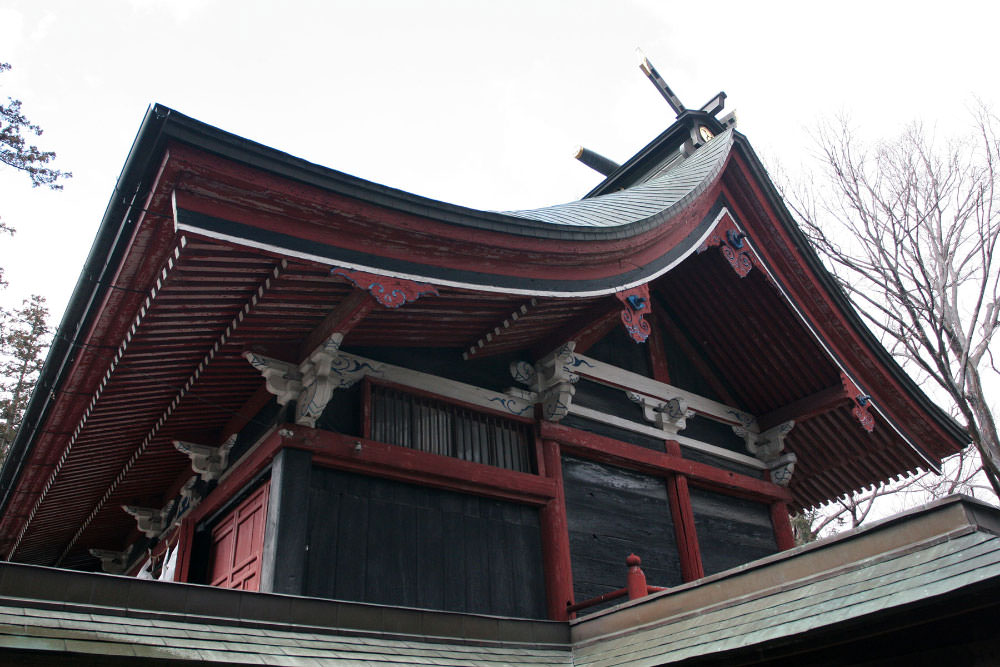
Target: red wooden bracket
861 403
733 246
637 306
390 292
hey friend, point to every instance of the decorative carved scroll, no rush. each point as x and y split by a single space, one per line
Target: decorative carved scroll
551 380
768 447
860 403
782 468
208 461
310 384
732 243
637 306
671 416
151 521
388 291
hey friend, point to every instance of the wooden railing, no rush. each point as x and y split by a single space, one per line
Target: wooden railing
635 587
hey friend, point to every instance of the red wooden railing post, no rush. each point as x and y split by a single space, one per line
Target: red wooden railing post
636 582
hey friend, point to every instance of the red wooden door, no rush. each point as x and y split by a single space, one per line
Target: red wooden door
238 542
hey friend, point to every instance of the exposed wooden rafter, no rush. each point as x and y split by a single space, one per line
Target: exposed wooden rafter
165 271
479 348
210 354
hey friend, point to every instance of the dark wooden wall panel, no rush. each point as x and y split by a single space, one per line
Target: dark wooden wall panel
613 512
618 349
386 542
287 513
609 431
714 433
731 531
719 462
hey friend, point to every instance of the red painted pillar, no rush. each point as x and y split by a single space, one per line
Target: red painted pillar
679 497
636 582
555 540
783 533
684 529
185 539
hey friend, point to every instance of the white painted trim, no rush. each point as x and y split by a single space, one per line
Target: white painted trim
444 387
178 226
643 429
613 376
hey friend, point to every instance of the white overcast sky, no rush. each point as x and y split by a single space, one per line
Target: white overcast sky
477 103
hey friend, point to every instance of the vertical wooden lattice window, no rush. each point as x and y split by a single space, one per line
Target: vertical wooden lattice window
238 543
439 427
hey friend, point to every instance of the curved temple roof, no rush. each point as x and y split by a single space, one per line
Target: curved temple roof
206 228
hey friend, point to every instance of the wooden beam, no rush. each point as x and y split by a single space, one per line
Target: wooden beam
344 317
814 405
658 356
585 329
693 354
625 455
246 413
369 457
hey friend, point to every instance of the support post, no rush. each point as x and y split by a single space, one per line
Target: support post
783 533
185 543
688 550
555 539
283 566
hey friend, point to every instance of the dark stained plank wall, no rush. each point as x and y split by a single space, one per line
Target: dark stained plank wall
386 542
611 513
731 531
618 349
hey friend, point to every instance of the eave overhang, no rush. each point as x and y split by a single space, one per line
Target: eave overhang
247 206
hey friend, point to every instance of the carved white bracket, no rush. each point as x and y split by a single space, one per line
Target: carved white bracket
782 468
152 522
767 447
671 416
112 562
209 462
282 378
551 380
310 384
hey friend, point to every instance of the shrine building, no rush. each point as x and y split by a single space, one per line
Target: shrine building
295 417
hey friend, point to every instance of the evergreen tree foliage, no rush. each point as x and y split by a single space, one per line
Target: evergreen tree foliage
24 340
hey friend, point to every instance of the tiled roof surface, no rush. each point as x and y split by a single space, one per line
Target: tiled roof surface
873 585
98 634
655 197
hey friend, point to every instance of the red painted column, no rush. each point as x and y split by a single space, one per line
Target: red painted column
687 536
783 533
555 539
679 497
185 539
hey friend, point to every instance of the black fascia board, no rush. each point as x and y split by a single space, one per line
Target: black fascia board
109 246
650 155
250 153
836 292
